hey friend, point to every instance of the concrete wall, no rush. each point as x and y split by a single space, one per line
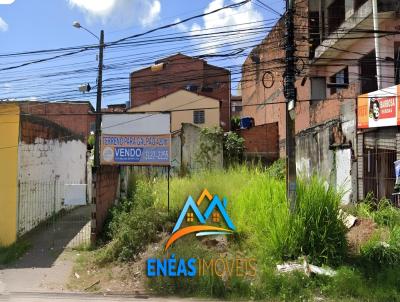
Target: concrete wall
180 71
9 132
323 150
186 102
50 156
190 139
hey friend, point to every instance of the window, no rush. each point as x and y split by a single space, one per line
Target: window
238 108
198 117
336 15
368 73
397 62
341 77
314 34
318 88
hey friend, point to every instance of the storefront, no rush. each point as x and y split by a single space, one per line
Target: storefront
378 142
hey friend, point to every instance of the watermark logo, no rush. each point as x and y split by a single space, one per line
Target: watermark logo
193 221
216 210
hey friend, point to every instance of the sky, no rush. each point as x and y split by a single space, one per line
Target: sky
27 25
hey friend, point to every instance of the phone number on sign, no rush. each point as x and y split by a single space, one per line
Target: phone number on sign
155 155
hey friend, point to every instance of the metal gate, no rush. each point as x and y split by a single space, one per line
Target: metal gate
379 175
43 213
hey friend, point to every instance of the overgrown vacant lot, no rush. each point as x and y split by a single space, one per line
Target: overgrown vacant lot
267 231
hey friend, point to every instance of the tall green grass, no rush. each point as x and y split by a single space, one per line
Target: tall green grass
258 207
267 230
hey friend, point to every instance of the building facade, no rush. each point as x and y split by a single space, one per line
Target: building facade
185 107
182 72
336 62
38 158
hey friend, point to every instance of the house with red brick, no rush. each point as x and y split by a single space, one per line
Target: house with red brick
177 72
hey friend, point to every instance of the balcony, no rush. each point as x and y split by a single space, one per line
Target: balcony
343 36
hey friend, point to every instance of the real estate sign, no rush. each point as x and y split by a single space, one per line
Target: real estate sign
379 108
136 139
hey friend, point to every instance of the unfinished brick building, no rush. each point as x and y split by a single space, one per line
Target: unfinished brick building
336 62
182 72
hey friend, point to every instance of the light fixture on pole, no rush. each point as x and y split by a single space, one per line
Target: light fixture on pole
76 24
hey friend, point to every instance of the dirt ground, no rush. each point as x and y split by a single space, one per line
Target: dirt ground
121 278
360 233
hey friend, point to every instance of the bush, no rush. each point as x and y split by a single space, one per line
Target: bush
377 254
382 212
321 234
133 224
233 148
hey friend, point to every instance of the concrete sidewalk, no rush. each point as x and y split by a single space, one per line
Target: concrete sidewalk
47 265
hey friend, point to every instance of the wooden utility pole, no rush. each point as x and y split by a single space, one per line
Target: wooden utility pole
290 95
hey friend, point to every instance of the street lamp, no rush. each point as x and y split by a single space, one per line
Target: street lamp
76 24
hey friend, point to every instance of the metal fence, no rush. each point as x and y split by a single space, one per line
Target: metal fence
41 209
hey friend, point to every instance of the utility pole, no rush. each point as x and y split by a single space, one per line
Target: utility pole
98 104
290 95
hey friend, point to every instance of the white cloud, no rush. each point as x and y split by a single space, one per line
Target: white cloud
235 18
3 25
120 12
7 1
181 26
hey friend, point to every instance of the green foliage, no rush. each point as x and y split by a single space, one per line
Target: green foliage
91 140
278 169
382 212
267 231
211 143
235 122
321 235
206 286
377 254
132 225
13 252
233 148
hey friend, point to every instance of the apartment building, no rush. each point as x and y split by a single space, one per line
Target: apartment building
336 63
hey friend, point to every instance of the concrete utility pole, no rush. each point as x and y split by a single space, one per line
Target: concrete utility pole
290 95
98 103
97 134
375 19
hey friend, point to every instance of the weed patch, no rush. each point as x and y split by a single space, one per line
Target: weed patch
13 252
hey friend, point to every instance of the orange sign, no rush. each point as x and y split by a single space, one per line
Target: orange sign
379 108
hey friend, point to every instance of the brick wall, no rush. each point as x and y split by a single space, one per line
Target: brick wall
77 117
266 104
33 127
106 194
180 71
262 141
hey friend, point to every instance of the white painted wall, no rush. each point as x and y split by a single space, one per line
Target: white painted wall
343 174
43 166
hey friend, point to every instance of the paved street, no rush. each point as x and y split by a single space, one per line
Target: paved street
36 297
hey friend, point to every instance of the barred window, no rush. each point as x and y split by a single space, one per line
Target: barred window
198 117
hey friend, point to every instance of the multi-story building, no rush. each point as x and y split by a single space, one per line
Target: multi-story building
179 71
339 44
